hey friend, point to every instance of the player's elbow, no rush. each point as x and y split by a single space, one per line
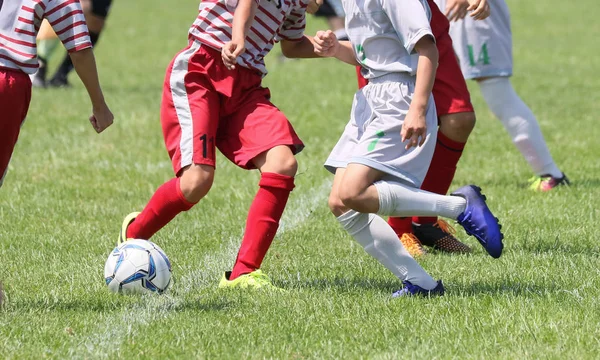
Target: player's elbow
287 49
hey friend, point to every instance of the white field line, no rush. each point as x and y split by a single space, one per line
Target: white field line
106 341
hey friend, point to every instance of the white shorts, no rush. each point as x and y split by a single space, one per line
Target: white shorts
372 136
484 47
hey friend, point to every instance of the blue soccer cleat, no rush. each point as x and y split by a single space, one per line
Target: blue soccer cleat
411 290
478 220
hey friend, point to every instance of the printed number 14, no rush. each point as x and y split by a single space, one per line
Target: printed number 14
483 58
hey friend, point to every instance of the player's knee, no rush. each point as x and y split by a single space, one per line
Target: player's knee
335 204
196 181
458 126
284 165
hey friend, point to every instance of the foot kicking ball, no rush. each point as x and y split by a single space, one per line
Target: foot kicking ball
137 266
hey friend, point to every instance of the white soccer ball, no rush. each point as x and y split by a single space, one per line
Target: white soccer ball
137 266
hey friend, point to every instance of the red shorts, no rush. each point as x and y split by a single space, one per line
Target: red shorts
450 91
206 106
15 95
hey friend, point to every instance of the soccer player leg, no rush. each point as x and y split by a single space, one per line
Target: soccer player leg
523 128
376 237
353 195
15 95
258 135
189 118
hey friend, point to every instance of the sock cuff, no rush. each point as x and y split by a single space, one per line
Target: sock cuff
385 198
278 181
353 222
188 204
449 143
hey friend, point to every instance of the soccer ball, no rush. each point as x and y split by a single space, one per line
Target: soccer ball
137 266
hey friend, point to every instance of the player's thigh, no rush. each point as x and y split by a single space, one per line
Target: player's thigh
15 95
256 127
190 114
450 90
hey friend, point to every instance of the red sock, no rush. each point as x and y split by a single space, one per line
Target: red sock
263 221
401 225
165 204
441 171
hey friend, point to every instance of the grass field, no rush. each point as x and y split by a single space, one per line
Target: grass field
68 189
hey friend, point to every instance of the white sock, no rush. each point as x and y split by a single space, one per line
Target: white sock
381 242
520 123
397 199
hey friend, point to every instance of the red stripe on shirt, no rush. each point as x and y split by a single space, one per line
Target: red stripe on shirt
269 15
26 21
29 56
22 31
61 6
81 47
262 23
20 64
70 26
76 36
66 16
218 16
17 41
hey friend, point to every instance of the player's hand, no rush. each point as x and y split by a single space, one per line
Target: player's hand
313 6
457 9
326 43
101 118
414 129
480 9
230 52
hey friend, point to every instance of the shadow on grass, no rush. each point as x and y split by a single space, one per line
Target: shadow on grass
513 288
347 285
558 246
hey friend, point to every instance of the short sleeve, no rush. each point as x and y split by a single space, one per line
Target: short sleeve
293 26
67 20
410 19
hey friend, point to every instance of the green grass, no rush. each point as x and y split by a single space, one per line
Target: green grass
68 189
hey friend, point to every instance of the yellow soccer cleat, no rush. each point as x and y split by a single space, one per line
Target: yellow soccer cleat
254 280
126 222
412 245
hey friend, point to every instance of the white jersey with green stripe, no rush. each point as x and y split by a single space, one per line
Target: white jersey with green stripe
384 33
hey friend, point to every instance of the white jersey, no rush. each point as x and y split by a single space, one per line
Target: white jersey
274 20
483 47
20 22
384 33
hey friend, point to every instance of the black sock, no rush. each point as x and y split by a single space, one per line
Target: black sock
67 65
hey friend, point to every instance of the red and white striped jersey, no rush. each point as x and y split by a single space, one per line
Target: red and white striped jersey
20 22
274 20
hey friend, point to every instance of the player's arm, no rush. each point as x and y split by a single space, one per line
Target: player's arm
68 22
85 65
242 20
303 48
415 126
323 44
